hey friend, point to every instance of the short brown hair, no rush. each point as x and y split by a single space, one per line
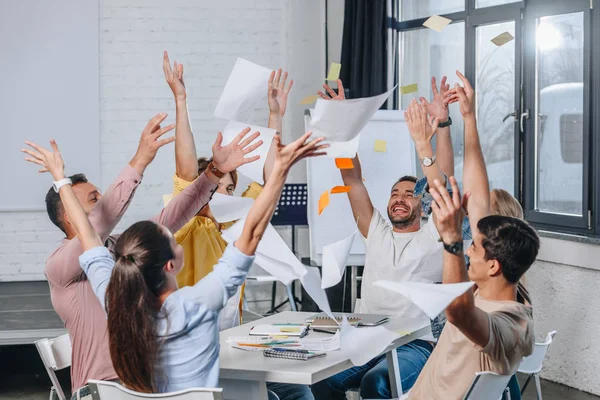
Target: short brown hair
203 164
505 204
405 178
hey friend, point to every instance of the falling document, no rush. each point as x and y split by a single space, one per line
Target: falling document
311 282
363 344
253 170
430 297
246 86
341 121
229 208
334 261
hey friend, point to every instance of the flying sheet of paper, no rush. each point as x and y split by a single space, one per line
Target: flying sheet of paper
328 343
502 39
323 201
343 149
246 86
342 121
344 163
409 88
380 146
309 99
253 170
335 256
167 198
436 23
311 281
340 189
430 297
272 254
229 208
334 71
363 344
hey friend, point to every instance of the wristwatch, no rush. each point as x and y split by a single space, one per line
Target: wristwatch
445 124
454 247
214 170
60 183
428 161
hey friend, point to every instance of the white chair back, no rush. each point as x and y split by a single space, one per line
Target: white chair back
488 386
56 355
102 390
533 363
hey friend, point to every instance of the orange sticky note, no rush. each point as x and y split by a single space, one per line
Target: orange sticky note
309 99
323 201
340 189
344 163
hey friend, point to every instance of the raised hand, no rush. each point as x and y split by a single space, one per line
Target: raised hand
286 156
331 95
150 142
420 127
51 161
229 158
438 108
278 92
174 77
464 95
448 211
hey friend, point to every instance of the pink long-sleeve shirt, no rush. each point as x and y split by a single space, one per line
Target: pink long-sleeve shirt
72 295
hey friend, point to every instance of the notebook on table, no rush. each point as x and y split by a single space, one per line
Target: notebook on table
279 330
293 355
322 321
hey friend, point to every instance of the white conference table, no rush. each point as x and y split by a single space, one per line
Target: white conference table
243 374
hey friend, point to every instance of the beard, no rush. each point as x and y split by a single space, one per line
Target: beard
403 222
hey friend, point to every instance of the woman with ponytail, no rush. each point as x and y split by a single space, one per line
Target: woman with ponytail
162 338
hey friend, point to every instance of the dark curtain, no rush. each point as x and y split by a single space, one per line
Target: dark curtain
364 48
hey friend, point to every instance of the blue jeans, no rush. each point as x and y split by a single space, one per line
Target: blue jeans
373 378
288 391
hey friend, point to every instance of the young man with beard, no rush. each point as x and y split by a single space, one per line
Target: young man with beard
398 250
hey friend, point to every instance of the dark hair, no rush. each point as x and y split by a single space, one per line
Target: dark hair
54 205
203 164
132 303
405 178
511 241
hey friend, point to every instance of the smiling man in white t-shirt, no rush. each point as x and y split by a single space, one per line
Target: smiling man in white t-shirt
398 250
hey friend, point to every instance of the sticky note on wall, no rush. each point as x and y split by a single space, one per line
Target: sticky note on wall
323 201
409 88
436 23
344 163
340 189
380 146
334 71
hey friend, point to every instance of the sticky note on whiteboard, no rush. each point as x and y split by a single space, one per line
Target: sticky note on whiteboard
340 189
323 201
344 163
380 146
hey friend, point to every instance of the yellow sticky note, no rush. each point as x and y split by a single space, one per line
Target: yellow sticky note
288 330
436 23
380 146
409 88
340 189
502 39
344 163
323 201
334 71
309 99
167 198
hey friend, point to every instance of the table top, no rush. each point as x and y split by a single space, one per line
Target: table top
253 366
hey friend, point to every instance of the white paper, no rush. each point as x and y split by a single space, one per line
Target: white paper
229 208
342 149
311 282
322 343
363 344
272 254
342 120
246 86
335 256
430 297
253 170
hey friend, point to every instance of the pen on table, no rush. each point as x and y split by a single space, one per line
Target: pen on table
323 331
292 350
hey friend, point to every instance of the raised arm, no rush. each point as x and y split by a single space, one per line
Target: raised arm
448 215
360 202
262 210
277 96
475 178
186 164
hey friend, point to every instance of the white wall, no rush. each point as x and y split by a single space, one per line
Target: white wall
206 37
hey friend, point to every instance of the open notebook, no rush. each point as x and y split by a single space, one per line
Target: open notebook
322 321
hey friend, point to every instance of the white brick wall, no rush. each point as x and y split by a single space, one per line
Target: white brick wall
207 37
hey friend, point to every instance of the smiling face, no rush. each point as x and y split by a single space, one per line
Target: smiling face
403 207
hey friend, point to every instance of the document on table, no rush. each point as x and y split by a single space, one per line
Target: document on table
363 344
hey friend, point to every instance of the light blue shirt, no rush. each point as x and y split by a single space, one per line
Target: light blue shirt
188 337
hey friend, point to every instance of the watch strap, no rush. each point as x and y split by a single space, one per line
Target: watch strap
214 170
445 124
454 247
60 183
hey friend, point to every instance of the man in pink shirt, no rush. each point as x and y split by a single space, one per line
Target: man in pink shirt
71 292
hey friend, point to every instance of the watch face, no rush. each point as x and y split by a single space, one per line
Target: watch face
427 161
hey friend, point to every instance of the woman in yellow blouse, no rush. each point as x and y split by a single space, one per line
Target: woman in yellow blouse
201 237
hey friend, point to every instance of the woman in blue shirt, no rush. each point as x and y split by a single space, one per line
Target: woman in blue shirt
163 338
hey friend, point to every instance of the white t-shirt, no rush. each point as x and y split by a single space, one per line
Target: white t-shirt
398 257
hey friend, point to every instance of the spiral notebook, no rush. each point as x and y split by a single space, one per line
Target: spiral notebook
292 355
322 321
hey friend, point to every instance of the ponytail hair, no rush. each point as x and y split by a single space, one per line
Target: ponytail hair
132 303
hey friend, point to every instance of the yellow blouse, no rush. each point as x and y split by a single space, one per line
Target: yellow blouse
202 242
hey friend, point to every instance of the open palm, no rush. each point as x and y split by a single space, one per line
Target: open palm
229 158
438 107
278 92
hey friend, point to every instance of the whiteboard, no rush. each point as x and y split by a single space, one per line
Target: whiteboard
380 171
49 79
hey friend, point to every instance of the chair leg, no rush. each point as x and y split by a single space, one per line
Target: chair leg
291 297
538 387
273 294
526 383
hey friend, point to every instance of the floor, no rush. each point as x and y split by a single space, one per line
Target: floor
22 374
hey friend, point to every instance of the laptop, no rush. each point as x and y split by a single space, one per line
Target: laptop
322 321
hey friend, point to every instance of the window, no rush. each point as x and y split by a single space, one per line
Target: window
413 9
